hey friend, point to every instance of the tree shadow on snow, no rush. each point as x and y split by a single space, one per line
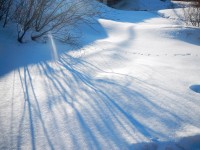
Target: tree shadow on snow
14 55
81 110
67 106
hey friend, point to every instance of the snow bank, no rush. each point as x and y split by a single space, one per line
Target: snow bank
143 4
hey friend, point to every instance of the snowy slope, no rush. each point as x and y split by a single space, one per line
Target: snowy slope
143 4
130 85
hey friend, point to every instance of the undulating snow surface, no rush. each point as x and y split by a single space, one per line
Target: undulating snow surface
144 4
131 84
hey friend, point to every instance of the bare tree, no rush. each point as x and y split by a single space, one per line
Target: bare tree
192 13
24 17
44 16
5 6
2 8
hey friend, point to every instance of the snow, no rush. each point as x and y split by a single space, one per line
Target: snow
132 84
144 4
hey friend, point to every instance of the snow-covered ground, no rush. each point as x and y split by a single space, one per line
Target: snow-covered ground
132 84
144 4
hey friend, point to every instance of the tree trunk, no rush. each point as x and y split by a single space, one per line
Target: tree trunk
20 37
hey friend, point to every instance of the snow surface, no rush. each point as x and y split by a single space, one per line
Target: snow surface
144 4
132 84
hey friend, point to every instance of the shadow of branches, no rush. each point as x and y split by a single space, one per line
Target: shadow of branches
80 110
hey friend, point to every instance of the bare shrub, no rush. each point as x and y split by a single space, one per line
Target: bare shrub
43 16
192 13
2 8
62 15
5 6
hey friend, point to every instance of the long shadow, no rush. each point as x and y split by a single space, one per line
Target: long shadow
90 112
97 93
14 55
32 109
85 109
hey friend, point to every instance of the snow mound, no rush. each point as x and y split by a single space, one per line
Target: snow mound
143 4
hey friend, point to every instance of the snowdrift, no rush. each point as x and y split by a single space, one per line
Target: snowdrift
143 4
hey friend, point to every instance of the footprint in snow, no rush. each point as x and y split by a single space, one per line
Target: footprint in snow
187 54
